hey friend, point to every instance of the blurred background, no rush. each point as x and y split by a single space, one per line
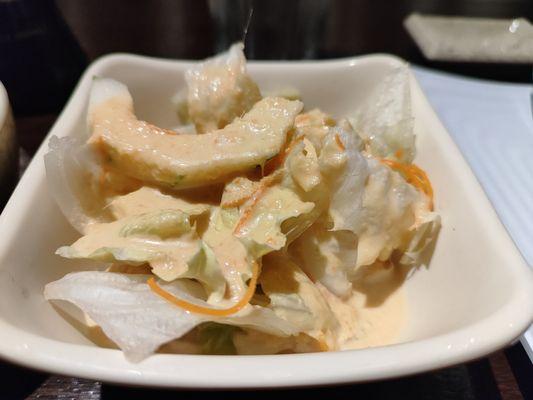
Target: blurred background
46 44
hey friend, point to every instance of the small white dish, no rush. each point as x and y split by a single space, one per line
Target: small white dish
475 297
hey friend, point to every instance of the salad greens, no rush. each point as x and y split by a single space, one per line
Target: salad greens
244 229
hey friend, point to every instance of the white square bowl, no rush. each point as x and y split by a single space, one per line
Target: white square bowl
475 296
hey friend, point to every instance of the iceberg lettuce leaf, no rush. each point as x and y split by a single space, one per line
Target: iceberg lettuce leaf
303 167
387 214
219 90
385 120
138 320
147 199
72 172
346 183
422 234
295 298
164 239
329 257
217 338
163 224
259 226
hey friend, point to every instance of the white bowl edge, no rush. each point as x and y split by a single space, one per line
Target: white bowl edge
290 370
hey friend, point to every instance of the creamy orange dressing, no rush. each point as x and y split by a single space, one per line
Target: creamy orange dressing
148 199
229 252
221 206
168 258
373 315
155 155
220 90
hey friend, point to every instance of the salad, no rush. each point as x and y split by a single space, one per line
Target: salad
258 226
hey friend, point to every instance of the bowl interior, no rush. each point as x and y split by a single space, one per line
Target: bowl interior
466 280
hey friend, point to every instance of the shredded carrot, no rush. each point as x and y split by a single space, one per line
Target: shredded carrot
275 162
339 142
237 202
264 184
398 154
414 175
216 312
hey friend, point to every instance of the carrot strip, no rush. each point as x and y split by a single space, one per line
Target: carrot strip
339 142
399 153
414 175
216 312
265 183
277 161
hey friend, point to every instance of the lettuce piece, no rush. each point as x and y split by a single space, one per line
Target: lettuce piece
387 214
347 183
72 172
147 199
217 338
220 90
329 257
164 239
295 298
134 239
260 224
371 201
422 234
128 312
333 155
154 155
316 194
303 167
204 267
237 192
314 126
385 120
138 320
228 250
372 207
269 214
163 224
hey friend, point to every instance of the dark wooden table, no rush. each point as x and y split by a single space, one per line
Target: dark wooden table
77 32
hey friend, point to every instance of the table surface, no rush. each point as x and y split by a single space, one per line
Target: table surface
183 29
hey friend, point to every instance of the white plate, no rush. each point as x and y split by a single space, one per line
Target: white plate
499 116
475 297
